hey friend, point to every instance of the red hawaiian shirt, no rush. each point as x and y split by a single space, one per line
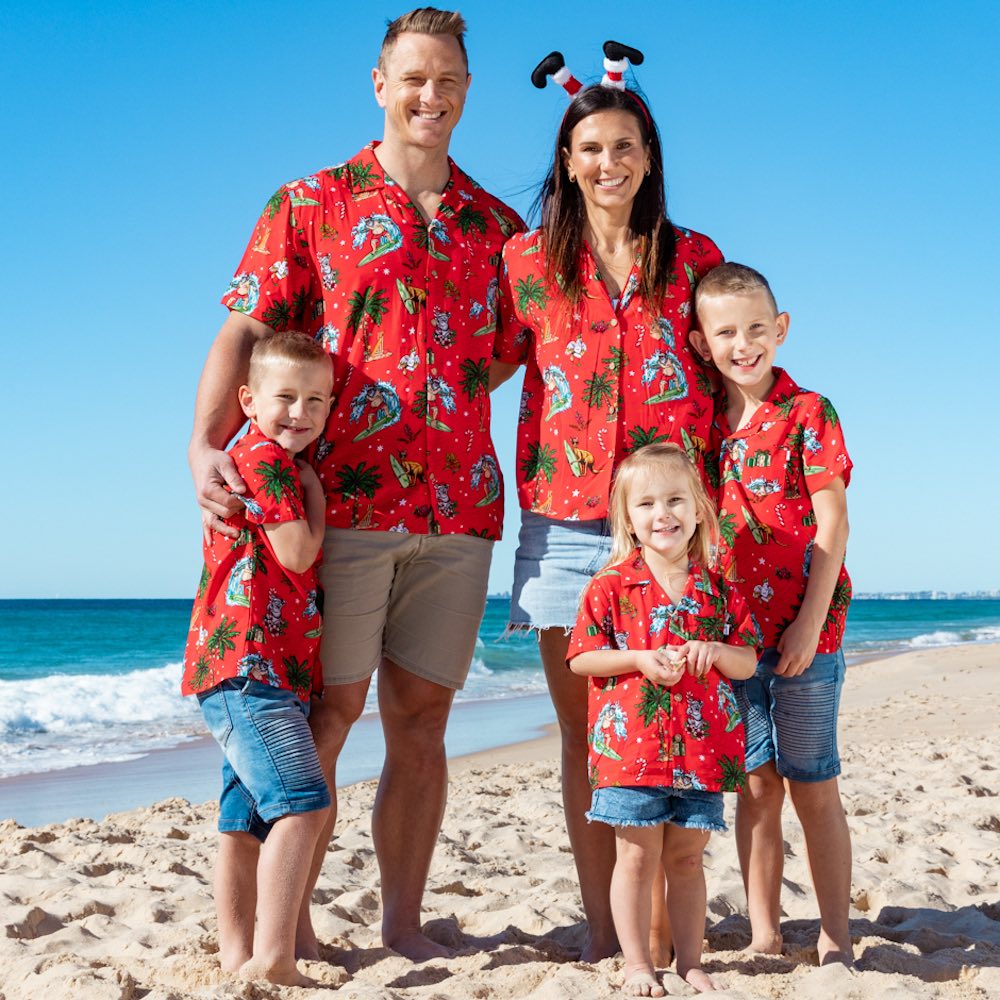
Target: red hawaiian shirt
689 736
601 380
792 447
252 617
407 308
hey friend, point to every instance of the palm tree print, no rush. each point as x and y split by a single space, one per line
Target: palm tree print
353 483
277 477
274 202
641 436
247 538
734 775
277 314
475 383
541 460
202 674
300 303
298 674
203 582
829 413
727 528
370 304
838 603
530 290
616 360
598 390
471 218
655 705
220 641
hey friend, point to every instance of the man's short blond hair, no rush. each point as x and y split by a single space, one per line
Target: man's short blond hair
284 349
424 21
732 279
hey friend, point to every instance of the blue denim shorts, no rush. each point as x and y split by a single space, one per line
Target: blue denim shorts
270 768
793 720
553 564
653 806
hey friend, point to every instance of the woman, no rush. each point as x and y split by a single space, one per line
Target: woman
597 303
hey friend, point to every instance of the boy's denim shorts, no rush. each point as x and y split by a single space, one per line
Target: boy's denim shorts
553 564
270 768
793 720
639 805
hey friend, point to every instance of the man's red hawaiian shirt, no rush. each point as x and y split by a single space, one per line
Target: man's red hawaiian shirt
688 736
792 447
407 308
252 617
602 379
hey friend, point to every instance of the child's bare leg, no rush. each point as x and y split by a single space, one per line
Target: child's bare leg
687 900
661 942
637 856
281 880
236 897
761 851
828 846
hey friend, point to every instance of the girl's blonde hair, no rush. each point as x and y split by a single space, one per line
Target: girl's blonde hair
660 458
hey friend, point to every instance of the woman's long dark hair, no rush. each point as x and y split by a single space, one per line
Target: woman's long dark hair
564 212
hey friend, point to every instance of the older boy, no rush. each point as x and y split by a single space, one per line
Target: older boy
252 659
783 515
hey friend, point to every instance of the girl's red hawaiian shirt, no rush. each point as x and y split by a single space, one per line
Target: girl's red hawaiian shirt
252 617
407 308
601 380
689 736
792 447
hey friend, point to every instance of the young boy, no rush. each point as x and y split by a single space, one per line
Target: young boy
252 659
783 515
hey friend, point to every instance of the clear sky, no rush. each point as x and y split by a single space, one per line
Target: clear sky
847 150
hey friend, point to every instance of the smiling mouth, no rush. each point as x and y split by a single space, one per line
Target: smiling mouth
746 364
611 182
429 116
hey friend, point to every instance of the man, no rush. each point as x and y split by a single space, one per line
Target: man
387 260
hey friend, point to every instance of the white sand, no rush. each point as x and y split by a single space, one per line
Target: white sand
122 909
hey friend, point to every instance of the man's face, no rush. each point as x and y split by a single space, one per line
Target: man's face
422 89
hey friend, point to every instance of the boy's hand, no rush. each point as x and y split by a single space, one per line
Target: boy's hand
212 470
701 656
797 646
660 666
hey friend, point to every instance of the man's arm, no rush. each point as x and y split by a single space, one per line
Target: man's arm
218 416
500 371
798 643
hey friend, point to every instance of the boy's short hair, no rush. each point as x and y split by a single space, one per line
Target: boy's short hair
283 348
424 21
732 279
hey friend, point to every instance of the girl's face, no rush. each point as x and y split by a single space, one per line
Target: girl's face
608 159
663 514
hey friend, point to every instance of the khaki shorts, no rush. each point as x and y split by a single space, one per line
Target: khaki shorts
416 599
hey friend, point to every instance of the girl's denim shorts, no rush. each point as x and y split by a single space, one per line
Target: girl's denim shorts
553 564
793 720
639 805
271 768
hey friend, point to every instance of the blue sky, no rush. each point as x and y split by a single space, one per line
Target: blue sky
847 150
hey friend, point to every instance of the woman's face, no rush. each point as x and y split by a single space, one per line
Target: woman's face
608 159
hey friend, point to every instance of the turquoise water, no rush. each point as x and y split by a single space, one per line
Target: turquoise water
89 681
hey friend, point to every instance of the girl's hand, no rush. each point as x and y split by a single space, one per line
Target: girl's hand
659 666
700 656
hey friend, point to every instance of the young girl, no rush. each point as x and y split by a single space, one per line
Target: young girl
659 632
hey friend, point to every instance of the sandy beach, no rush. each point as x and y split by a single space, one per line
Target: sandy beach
122 908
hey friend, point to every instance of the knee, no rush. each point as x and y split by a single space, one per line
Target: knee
418 733
820 799
684 865
331 719
765 792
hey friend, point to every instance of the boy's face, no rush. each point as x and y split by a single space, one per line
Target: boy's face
740 334
290 402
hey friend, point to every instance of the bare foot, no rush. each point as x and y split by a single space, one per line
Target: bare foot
832 953
661 954
280 975
700 980
766 944
642 983
234 960
306 945
417 947
596 949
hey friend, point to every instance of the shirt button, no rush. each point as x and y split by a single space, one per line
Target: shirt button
614 322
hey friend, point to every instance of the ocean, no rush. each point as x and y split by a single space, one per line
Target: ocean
87 682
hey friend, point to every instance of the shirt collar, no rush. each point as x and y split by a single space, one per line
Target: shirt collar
784 387
367 174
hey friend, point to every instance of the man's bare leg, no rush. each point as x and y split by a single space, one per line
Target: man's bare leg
593 844
409 806
761 852
236 897
330 719
828 846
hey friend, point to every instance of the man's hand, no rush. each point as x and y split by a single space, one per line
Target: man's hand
212 470
797 646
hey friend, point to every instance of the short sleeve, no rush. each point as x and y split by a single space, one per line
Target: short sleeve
824 454
275 281
710 256
274 492
513 338
741 627
593 629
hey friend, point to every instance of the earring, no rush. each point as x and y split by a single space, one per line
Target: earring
648 169
572 177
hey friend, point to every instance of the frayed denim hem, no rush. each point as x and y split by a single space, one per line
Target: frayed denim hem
520 628
616 821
